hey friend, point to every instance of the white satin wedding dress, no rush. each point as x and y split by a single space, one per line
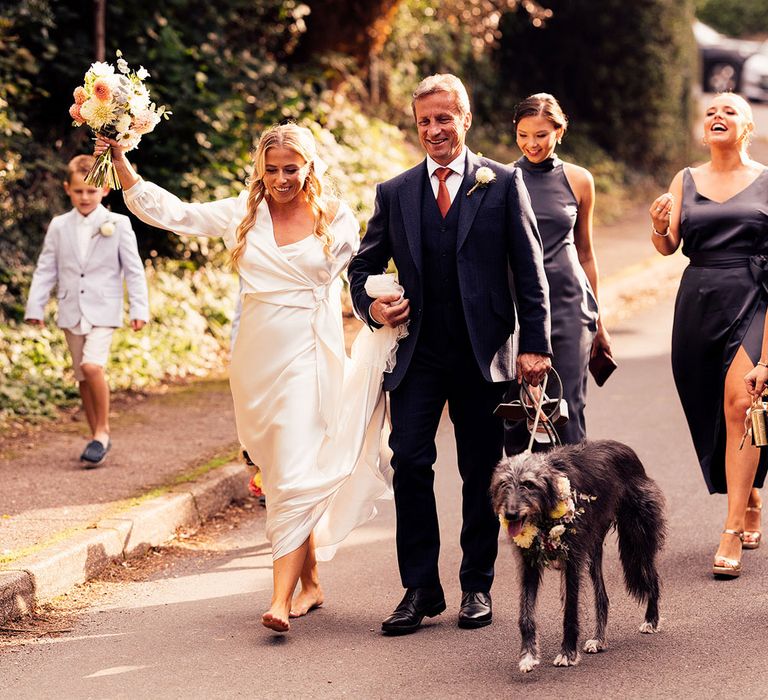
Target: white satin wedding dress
310 417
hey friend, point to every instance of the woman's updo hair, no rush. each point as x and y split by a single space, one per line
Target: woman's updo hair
542 104
300 140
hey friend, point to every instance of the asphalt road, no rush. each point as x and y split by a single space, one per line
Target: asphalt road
188 625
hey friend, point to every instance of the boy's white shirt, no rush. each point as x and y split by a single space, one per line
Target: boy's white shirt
84 226
90 286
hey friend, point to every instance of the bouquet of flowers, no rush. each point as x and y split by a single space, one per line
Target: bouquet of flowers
116 105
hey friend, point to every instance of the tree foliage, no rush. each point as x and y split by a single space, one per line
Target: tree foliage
622 73
224 69
740 18
344 68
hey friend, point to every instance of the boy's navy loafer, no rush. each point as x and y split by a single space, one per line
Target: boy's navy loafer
94 454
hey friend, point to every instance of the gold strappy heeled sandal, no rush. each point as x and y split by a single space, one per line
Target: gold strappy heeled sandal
724 566
751 539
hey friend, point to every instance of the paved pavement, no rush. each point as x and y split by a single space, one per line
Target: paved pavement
60 525
190 627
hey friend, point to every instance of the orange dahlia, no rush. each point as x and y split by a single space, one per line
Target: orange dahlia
102 91
74 112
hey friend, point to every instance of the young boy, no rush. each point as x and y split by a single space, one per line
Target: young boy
87 254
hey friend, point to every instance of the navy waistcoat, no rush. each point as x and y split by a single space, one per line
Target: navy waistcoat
443 316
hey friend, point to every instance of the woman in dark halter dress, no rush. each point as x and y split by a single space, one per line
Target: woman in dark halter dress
719 212
562 196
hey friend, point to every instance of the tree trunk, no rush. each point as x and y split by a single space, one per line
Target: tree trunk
99 11
355 28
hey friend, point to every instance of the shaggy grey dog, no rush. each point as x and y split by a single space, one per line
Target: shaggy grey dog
526 489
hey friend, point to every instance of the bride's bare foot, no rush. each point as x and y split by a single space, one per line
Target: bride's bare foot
276 619
306 600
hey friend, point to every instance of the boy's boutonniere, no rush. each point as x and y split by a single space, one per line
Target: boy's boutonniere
107 229
483 177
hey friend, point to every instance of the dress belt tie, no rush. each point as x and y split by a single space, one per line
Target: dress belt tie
719 259
757 264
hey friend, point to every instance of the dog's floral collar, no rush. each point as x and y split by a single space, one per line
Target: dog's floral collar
544 542
483 177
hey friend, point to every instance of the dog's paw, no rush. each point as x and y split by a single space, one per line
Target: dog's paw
649 628
592 646
571 659
527 663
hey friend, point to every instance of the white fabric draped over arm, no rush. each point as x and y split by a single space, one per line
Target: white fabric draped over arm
158 207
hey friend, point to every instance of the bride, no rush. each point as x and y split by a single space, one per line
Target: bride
309 417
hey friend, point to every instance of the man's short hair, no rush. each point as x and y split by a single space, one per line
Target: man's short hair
80 165
442 82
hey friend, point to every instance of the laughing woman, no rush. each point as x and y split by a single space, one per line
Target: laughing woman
719 212
290 243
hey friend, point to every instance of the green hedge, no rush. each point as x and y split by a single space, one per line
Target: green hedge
191 312
741 18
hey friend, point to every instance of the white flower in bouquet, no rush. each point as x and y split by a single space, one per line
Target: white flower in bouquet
138 100
129 140
144 121
97 113
123 124
99 69
118 106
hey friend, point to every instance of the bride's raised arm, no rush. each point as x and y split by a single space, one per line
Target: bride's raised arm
158 207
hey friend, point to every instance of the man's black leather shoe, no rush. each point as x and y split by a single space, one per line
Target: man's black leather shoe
417 604
475 610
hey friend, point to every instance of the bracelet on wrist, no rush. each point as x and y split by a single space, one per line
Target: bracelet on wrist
661 235
760 363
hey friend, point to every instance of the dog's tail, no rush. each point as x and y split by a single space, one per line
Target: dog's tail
642 530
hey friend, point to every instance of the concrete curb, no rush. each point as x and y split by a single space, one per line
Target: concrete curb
41 577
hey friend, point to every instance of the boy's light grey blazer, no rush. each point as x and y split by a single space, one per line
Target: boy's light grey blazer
90 288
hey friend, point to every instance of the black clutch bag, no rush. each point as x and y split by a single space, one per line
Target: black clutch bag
602 365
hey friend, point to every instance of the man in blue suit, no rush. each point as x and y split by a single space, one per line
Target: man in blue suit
455 226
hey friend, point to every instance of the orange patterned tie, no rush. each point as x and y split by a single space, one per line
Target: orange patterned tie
443 197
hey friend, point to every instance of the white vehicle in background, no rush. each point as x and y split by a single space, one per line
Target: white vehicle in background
754 76
728 64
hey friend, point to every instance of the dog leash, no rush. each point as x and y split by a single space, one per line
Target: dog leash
541 414
538 415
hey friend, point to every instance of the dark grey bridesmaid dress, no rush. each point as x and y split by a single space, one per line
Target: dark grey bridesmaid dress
572 302
720 306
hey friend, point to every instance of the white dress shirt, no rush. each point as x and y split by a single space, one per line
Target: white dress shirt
84 230
453 181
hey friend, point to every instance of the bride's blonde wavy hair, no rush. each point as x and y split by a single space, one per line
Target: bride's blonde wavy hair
299 140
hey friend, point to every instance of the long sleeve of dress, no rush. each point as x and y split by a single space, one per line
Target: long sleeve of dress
158 207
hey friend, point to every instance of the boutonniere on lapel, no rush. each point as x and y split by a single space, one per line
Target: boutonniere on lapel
107 229
483 177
